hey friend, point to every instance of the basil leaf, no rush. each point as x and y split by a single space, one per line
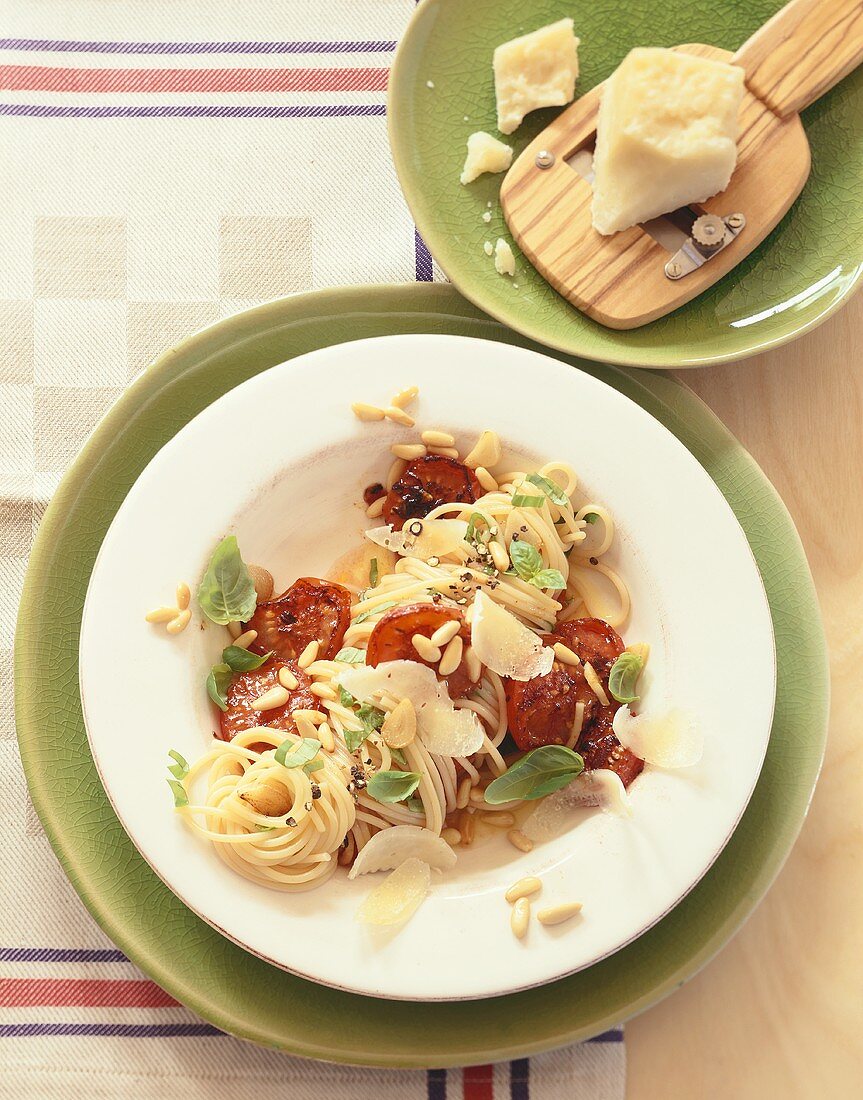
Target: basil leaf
522 500
623 677
591 517
350 655
241 660
180 796
538 773
218 683
294 754
373 573
548 578
313 766
415 805
554 492
361 618
181 768
399 757
226 593
526 559
393 786
371 717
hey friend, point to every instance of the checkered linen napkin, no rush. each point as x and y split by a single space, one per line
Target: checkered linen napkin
166 163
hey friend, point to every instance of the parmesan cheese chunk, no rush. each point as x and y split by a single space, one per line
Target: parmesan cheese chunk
536 70
666 136
668 739
399 896
442 728
437 538
504 261
602 789
506 645
484 154
389 848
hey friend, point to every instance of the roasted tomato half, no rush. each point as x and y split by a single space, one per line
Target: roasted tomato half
426 483
309 610
542 711
391 640
248 686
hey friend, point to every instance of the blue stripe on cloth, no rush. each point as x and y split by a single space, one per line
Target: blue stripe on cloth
519 1079
34 110
424 269
61 954
126 1031
63 46
436 1084
615 1035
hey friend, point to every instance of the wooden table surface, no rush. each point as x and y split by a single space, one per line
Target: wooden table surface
779 1013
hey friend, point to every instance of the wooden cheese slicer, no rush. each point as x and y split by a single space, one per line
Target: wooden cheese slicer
634 276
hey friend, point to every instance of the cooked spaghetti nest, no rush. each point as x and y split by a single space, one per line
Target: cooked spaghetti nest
292 850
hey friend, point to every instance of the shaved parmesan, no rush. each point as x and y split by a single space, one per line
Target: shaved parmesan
436 538
443 729
390 848
669 739
398 897
600 789
506 645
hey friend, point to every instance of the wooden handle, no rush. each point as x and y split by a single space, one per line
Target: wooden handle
800 53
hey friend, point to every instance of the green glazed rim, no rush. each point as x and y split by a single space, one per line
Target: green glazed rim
242 994
804 271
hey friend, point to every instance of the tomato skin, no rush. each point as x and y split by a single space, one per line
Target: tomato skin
245 687
310 610
426 483
391 640
541 711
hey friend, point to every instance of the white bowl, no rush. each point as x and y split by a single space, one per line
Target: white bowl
281 461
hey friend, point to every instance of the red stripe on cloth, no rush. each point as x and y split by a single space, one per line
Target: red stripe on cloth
68 993
41 78
478 1082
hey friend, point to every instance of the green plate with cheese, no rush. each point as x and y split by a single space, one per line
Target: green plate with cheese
442 90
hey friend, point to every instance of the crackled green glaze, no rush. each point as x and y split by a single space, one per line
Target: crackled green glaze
244 995
795 279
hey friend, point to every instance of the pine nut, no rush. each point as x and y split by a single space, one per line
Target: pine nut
309 655
452 656
486 452
346 854
446 452
268 799
376 508
451 836
399 416
438 439
474 665
313 716
404 397
323 691
162 614
395 472
262 579
400 725
594 684
565 655
523 888
235 629
463 794
485 479
477 796
559 913
245 640
499 819
362 411
325 736
184 595
178 625
499 556
445 633
287 679
520 918
518 840
426 650
305 727
277 696
467 828
408 451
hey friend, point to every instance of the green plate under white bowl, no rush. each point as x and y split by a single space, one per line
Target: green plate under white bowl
239 992
804 271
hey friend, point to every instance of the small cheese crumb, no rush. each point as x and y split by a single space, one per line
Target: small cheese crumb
536 70
466 118
488 248
484 154
429 83
504 261
487 216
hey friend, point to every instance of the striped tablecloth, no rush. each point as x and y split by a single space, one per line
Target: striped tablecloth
166 163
